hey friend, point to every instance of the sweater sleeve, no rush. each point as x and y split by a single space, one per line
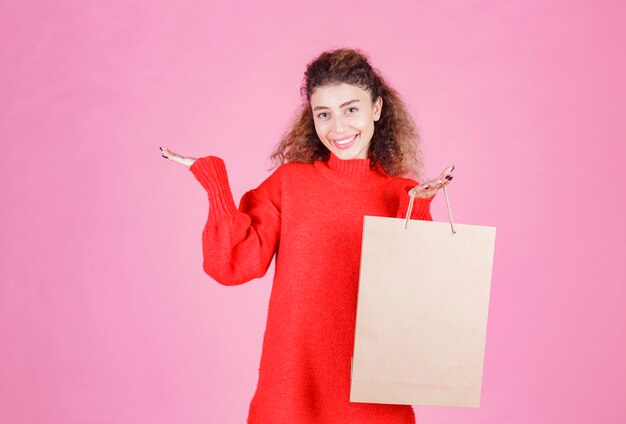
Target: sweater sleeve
238 244
421 206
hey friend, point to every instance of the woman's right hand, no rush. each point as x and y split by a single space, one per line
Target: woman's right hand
167 154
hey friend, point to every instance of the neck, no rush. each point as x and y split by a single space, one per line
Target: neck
353 168
351 172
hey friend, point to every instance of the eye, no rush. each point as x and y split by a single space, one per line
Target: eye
352 108
319 115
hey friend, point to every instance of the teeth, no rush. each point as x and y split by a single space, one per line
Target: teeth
345 140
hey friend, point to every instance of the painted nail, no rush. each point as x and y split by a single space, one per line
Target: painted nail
164 156
448 177
160 148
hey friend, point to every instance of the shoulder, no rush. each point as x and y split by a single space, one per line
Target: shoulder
284 173
282 179
291 171
295 167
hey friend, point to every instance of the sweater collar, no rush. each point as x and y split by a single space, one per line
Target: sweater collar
351 172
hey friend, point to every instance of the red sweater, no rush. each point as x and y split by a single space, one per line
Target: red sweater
311 217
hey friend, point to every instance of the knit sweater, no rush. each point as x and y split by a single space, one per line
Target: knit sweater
311 217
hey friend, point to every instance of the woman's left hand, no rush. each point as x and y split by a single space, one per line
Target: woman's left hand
429 188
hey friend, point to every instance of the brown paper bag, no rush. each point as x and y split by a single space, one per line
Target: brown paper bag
422 308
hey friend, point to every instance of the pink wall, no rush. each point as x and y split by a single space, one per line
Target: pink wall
105 313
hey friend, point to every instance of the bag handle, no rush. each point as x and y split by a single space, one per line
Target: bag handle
410 209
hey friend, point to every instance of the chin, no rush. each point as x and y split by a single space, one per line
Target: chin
342 154
351 154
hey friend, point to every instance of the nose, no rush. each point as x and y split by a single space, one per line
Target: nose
339 125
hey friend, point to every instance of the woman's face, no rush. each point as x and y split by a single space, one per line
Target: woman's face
344 117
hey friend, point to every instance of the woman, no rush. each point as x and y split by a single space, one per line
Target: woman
346 155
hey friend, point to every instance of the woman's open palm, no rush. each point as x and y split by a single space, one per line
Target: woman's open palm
183 160
429 188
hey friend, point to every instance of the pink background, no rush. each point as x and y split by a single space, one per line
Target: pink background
105 313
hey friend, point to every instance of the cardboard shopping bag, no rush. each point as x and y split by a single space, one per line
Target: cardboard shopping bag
422 307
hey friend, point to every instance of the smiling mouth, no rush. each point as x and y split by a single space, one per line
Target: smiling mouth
344 143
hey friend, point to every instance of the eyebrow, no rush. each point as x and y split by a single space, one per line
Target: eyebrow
342 105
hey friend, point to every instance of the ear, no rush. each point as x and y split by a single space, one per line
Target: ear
378 107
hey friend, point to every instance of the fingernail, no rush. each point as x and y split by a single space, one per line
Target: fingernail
448 177
164 156
160 148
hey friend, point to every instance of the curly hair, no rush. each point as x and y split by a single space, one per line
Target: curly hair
395 144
